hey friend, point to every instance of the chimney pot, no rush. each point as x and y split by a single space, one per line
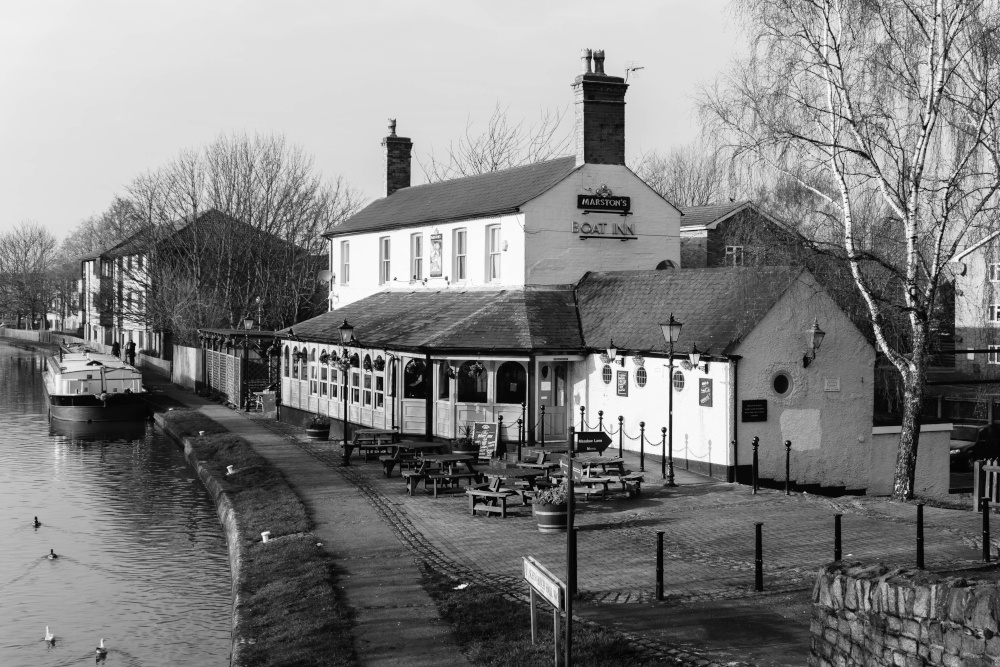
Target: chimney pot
392 127
599 62
600 114
585 56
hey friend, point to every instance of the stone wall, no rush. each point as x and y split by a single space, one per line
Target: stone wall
871 615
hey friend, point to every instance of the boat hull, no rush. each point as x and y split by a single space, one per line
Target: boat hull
89 408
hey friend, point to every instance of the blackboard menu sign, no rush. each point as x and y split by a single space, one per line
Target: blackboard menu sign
486 436
705 392
754 410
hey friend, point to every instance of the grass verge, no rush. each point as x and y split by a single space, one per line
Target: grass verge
495 631
290 612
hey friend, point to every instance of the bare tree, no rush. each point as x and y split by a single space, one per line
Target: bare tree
28 258
888 112
502 144
689 175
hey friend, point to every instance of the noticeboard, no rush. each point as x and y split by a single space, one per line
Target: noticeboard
754 410
485 436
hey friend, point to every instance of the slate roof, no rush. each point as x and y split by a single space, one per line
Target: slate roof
480 321
491 194
703 216
716 307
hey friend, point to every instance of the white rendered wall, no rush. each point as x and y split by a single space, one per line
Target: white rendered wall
829 430
555 255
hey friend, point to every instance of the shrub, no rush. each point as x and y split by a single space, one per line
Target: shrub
557 495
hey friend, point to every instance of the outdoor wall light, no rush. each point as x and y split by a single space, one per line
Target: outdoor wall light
814 338
613 355
695 358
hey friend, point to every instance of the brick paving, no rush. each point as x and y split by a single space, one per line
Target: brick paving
708 539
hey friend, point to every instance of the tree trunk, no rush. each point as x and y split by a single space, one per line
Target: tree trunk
909 437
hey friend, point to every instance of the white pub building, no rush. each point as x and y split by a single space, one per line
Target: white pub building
538 293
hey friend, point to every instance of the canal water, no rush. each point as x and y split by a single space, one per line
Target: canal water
142 559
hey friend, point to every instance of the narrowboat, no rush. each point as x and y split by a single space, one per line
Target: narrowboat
85 386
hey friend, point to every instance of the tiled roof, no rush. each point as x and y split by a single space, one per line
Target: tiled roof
703 216
517 320
490 194
716 307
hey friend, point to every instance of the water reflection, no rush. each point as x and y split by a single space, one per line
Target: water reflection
142 559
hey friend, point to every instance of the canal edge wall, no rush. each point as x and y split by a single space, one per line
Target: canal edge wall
227 517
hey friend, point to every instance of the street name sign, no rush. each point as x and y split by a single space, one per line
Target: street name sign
544 582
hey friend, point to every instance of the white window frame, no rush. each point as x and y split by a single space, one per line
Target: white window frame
384 248
993 272
417 256
993 358
345 262
995 314
735 255
460 254
493 245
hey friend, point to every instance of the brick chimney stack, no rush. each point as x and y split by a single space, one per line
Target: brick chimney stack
397 160
600 113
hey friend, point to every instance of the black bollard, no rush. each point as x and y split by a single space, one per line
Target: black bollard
986 530
500 439
659 565
600 420
621 434
788 467
758 559
520 437
836 537
756 470
541 423
920 536
663 449
642 446
583 420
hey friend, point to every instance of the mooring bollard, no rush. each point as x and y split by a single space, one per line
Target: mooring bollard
836 537
788 467
756 443
986 530
659 565
758 559
920 536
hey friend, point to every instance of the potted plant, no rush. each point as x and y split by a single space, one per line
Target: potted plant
549 508
465 444
318 428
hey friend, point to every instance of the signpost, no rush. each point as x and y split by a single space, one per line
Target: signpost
485 435
592 441
543 583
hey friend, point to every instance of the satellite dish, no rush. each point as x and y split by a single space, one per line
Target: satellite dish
324 276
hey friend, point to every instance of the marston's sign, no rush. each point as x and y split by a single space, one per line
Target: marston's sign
611 204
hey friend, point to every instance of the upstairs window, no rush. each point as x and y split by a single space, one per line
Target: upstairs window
734 255
493 254
994 272
345 262
459 269
383 261
417 256
994 314
994 355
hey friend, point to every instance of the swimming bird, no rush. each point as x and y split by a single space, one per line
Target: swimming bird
36 523
101 651
52 554
49 637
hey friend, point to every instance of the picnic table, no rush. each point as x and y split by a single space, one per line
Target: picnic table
405 452
519 480
369 439
593 474
442 470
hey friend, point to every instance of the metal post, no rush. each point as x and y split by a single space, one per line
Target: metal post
670 416
836 536
524 418
758 558
642 446
347 460
788 467
600 420
573 573
500 435
621 434
986 530
583 421
920 536
541 423
659 565
756 443
663 453
570 552
520 437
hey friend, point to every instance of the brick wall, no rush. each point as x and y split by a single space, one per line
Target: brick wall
600 119
870 615
397 163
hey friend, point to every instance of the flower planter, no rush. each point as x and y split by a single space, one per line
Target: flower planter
465 448
551 518
318 433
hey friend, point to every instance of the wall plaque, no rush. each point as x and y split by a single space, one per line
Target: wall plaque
754 410
436 271
622 383
705 392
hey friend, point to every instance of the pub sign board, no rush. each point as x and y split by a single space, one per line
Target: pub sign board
611 204
705 392
486 435
622 383
754 410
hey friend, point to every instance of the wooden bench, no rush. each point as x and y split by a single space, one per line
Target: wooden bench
592 485
390 461
631 483
491 502
413 477
449 480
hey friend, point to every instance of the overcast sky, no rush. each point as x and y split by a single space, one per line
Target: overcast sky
94 93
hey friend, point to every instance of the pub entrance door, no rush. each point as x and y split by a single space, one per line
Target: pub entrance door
552 394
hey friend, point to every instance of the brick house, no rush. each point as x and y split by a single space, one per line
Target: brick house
735 233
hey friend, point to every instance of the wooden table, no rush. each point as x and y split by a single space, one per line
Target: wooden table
406 451
449 471
369 438
511 476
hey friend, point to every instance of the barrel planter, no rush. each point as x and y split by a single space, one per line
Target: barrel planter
550 518
465 448
318 433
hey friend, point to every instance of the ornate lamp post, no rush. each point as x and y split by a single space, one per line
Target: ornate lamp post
671 332
346 338
247 325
